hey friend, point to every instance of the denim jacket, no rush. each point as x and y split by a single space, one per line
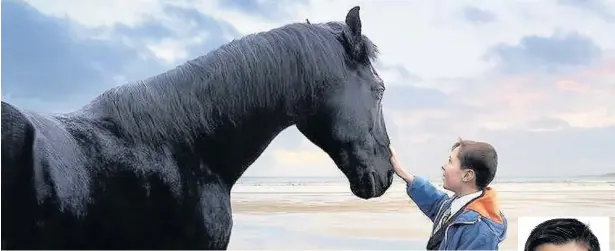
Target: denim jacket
481 225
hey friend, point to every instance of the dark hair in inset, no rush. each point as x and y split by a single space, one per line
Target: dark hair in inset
561 231
480 157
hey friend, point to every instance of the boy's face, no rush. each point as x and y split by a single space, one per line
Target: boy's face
452 174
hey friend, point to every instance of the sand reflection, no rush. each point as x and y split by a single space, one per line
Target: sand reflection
326 216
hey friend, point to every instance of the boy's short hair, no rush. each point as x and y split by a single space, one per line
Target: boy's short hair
561 231
480 157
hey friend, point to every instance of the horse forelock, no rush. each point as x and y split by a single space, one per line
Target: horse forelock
247 75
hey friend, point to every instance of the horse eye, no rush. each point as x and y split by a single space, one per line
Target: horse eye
379 91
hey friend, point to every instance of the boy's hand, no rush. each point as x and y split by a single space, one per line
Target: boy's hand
399 170
396 166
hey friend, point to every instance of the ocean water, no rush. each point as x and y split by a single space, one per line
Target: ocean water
294 181
332 186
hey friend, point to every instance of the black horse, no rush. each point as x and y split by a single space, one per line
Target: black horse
150 165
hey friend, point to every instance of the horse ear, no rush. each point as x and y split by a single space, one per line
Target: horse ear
354 39
354 21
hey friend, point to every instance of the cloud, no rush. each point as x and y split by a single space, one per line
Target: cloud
409 97
538 53
547 124
57 59
528 102
536 85
65 65
600 8
266 8
478 16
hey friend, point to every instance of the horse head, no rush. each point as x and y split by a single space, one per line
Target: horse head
348 123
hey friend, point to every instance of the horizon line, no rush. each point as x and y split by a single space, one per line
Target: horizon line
565 176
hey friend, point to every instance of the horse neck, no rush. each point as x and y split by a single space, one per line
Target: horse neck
225 126
248 116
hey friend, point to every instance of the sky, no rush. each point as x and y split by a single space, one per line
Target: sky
536 79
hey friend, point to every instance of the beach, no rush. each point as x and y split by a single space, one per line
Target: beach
319 213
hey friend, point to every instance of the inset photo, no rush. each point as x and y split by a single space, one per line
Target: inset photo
563 233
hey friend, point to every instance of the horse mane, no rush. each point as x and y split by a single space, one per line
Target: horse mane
283 66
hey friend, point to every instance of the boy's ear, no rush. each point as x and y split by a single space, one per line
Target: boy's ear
468 175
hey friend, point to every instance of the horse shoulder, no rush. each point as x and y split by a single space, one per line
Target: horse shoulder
17 141
59 165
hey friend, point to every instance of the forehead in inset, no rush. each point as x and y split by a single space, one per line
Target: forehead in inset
569 246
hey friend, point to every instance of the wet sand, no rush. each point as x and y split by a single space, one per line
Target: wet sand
327 216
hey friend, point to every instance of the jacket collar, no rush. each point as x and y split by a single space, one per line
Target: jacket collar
485 206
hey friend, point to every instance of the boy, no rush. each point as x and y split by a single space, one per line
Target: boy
471 218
